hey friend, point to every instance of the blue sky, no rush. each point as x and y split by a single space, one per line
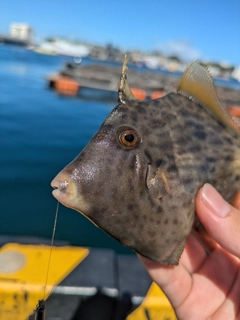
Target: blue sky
204 29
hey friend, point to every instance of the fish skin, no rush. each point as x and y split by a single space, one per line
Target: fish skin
145 196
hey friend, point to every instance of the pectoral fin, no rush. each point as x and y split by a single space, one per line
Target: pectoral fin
157 181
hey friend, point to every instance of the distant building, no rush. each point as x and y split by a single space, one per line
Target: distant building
21 31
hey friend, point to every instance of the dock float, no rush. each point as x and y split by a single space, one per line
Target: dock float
83 284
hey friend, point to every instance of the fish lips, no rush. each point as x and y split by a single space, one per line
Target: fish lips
65 191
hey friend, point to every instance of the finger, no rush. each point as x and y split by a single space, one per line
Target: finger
220 219
171 279
194 253
229 309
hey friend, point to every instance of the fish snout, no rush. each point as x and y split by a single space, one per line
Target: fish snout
66 191
60 184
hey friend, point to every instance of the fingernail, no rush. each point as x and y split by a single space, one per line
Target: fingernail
214 202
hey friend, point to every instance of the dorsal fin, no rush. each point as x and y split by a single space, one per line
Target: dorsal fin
197 84
124 91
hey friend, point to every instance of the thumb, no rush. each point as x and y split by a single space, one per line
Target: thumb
221 220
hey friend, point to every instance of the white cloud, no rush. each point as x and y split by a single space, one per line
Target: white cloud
181 48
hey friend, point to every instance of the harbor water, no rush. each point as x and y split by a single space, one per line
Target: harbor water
41 132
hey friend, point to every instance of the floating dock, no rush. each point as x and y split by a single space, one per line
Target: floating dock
73 78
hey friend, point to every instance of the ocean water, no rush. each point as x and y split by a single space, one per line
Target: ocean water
40 132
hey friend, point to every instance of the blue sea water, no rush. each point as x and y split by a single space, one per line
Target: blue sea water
40 132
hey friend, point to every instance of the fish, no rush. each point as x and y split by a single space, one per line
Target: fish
138 177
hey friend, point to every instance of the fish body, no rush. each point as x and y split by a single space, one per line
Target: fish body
138 177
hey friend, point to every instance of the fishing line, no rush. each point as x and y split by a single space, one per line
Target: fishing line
51 247
39 312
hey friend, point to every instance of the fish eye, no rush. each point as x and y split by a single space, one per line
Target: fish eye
128 138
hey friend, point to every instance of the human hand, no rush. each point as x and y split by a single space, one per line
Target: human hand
206 286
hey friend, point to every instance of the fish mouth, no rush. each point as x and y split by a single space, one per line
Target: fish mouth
61 191
66 191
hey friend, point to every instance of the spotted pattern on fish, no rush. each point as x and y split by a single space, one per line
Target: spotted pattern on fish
144 196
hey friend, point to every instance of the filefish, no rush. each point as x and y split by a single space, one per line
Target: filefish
138 177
